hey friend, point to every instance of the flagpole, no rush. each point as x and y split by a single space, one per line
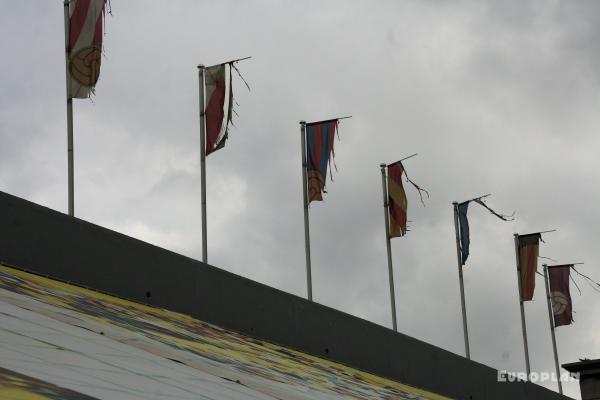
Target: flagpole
461 282
551 319
305 201
386 206
71 180
523 325
203 160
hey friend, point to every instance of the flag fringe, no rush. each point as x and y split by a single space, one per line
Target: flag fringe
231 106
481 202
232 65
589 280
419 189
332 157
575 283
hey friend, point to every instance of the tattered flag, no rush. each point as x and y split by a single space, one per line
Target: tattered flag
215 101
560 294
528 246
397 201
215 86
86 19
319 148
463 224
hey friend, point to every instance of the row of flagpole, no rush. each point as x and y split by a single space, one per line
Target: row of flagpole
462 242
84 22
526 254
83 53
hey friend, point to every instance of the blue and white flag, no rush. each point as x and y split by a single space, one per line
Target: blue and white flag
463 225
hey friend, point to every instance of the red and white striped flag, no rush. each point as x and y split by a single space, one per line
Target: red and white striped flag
215 97
86 18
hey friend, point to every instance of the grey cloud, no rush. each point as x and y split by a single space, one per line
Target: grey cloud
496 97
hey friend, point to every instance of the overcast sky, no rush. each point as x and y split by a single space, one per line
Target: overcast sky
496 97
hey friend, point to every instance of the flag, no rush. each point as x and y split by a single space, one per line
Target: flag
214 85
463 226
397 202
528 259
215 111
319 149
86 18
560 295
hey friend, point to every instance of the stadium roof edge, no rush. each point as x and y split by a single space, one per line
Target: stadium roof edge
49 243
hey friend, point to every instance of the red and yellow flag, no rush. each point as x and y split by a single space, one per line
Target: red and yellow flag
86 19
528 260
397 202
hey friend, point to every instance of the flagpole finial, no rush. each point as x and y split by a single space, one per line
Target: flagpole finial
303 122
200 66
383 165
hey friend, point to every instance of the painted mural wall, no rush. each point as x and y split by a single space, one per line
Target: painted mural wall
59 341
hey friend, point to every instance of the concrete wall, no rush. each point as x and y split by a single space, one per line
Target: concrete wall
38 239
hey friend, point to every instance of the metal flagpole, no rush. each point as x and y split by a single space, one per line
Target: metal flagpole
71 180
203 159
551 319
305 200
387 242
528 368
460 280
